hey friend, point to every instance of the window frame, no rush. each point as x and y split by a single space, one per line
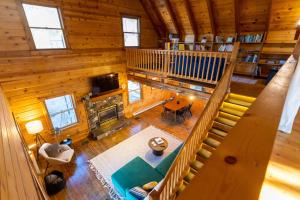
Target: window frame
61 21
74 107
138 33
140 89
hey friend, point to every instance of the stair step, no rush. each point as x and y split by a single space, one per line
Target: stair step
181 187
232 111
204 153
207 147
212 142
189 177
215 137
239 102
196 165
229 116
225 121
234 107
221 126
218 132
241 97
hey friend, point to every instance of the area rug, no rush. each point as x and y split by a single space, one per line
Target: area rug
108 162
243 80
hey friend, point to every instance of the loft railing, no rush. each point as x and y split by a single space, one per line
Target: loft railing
199 66
167 189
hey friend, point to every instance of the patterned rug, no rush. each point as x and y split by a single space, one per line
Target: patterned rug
108 162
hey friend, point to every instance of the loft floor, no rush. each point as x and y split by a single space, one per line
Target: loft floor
282 179
81 181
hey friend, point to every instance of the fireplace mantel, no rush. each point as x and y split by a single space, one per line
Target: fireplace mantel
106 95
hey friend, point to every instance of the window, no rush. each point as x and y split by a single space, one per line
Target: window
131 31
61 111
45 26
134 91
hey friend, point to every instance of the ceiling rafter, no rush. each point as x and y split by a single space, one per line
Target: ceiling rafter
157 22
191 17
211 16
160 18
171 12
268 20
237 16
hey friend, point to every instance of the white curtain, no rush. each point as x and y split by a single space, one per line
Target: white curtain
292 103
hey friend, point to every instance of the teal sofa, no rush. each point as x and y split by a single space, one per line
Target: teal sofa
137 172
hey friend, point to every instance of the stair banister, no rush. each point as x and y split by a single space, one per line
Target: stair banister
167 188
250 142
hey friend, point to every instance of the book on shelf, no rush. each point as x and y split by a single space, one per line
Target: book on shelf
230 39
181 47
167 45
251 38
226 47
282 62
252 58
219 39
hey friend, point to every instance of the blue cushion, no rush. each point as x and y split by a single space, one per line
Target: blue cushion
164 165
135 173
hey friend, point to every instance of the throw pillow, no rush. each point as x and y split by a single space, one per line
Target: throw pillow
149 186
138 192
52 150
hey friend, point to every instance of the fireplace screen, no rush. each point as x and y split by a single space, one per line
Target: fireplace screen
108 113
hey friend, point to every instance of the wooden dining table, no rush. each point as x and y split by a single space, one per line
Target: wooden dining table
176 105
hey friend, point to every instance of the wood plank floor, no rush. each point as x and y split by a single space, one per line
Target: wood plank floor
282 181
82 183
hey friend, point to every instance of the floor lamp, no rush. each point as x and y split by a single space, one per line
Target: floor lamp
35 128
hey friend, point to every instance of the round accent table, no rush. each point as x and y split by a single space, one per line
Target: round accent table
158 145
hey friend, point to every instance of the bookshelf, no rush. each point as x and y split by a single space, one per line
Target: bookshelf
251 44
258 54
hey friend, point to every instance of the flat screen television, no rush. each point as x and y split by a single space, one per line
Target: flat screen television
104 83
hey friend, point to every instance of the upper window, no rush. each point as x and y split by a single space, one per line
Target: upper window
61 111
134 91
131 31
45 25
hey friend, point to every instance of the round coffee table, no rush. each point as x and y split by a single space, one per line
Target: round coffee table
157 146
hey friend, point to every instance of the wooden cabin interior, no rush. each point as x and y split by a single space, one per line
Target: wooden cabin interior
149 99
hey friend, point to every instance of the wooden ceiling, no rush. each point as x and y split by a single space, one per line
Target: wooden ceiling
197 17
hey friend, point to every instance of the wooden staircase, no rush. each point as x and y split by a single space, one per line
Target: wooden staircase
232 109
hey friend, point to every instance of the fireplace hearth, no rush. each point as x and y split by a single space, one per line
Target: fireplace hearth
105 116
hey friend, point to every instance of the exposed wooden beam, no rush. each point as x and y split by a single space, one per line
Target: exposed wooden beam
191 18
148 7
268 15
211 16
168 86
237 16
159 17
171 12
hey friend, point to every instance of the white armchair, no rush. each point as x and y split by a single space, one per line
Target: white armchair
63 157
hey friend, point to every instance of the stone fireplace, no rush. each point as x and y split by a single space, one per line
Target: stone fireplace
105 114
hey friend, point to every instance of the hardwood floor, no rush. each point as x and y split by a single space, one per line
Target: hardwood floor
282 179
246 85
81 181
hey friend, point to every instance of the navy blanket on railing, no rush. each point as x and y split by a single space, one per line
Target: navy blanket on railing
186 66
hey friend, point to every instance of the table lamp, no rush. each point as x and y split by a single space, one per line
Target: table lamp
35 128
